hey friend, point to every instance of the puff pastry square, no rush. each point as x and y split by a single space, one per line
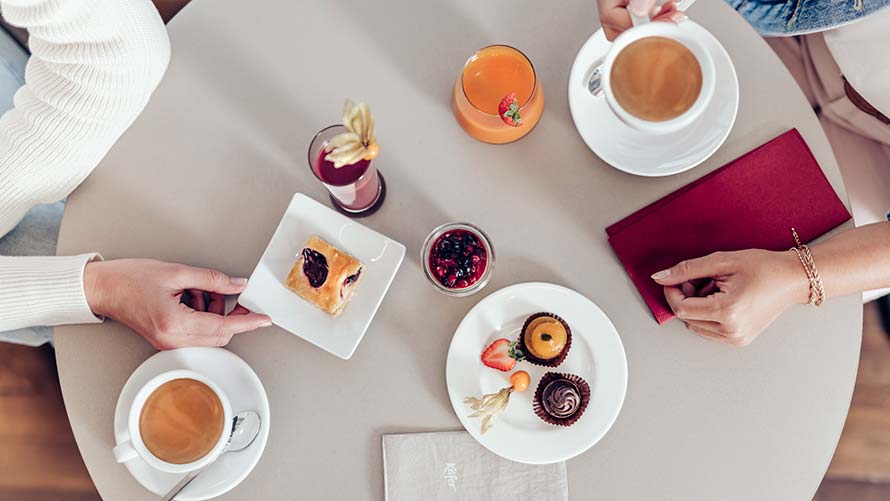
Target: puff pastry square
325 276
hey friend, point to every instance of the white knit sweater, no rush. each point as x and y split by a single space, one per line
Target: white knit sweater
93 67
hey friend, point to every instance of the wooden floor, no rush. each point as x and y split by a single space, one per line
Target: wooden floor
39 460
38 457
860 469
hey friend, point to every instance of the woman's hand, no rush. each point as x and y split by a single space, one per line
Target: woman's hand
615 18
731 297
147 296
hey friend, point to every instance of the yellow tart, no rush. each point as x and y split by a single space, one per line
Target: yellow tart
545 339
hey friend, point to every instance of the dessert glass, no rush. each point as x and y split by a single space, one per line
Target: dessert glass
357 189
483 239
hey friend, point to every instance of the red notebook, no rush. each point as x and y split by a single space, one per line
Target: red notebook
752 202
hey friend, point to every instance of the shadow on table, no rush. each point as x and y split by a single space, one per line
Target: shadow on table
406 201
523 269
256 93
427 41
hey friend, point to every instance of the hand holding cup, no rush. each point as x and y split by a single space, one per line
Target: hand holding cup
615 15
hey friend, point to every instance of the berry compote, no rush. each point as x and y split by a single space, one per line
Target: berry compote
458 259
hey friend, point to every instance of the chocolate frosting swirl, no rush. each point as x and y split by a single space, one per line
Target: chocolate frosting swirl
561 398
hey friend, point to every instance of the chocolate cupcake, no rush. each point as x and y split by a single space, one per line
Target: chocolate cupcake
545 339
561 399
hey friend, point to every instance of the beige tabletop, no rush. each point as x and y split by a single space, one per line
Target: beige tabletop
205 174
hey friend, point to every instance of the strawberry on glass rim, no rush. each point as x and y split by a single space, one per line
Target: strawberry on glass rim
509 110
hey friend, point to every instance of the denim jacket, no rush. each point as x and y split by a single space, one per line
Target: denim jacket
798 17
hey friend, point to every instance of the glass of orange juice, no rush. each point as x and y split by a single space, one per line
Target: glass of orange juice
493 79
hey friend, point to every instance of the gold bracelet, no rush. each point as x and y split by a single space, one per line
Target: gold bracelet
817 280
817 288
806 269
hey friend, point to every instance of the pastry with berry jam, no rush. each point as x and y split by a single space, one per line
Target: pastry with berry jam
545 339
325 276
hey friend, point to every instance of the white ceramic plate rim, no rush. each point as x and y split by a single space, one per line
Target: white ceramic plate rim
166 361
570 441
723 63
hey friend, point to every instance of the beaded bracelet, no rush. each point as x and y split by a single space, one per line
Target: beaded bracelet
817 289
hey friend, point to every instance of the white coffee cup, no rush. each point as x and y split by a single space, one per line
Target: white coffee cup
602 76
135 447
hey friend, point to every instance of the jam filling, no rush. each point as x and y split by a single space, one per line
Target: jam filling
315 267
352 278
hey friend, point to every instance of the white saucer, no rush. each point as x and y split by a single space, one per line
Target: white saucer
244 390
643 154
596 355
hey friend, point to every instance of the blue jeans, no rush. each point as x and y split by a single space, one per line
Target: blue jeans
798 17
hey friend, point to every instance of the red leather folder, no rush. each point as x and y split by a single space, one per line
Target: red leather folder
751 202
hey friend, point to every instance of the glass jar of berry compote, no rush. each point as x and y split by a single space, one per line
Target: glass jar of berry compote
458 258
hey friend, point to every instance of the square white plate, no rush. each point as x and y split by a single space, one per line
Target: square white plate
266 292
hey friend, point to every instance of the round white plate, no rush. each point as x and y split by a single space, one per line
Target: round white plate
635 152
596 355
245 391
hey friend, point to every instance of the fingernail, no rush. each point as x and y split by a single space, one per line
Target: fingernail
661 275
679 17
238 281
266 324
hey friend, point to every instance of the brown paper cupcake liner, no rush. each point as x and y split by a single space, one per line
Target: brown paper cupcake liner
583 391
553 362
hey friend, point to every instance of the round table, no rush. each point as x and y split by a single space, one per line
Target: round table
206 172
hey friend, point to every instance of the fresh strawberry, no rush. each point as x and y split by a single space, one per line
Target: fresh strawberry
509 110
502 355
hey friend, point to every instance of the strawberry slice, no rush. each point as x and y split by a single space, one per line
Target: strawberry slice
502 355
509 110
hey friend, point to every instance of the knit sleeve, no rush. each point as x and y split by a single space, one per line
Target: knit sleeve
93 67
43 291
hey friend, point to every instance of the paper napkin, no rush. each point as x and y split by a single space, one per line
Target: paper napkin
452 466
752 202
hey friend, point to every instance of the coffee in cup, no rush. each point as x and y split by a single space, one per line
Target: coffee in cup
178 422
656 78
181 421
